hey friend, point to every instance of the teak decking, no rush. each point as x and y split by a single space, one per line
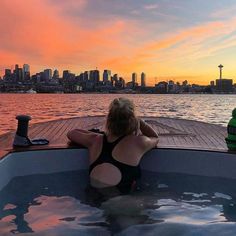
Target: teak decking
173 133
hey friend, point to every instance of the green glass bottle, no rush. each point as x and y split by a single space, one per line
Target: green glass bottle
231 128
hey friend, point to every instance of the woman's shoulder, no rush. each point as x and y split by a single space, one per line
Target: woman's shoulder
134 138
142 141
83 137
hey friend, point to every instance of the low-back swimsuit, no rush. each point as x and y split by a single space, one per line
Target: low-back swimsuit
129 174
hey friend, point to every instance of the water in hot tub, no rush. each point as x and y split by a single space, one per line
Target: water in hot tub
164 204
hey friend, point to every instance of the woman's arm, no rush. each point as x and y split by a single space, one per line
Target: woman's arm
82 137
147 130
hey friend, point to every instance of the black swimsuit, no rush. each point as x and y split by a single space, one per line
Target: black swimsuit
129 174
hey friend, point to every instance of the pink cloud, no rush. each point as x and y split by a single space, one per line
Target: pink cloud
38 34
44 34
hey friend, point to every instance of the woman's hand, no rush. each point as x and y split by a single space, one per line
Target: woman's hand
147 130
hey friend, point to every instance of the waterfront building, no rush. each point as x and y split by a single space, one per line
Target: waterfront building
120 83
143 79
115 77
80 77
224 85
106 76
171 88
47 75
41 74
161 87
212 83
36 78
129 84
185 83
86 75
89 85
7 75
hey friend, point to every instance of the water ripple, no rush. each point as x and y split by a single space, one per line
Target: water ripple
214 109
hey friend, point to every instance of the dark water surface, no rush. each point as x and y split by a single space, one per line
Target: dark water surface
165 204
44 107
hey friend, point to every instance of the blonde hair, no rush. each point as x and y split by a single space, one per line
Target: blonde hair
121 119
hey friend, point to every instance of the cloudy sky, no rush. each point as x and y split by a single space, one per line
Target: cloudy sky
167 39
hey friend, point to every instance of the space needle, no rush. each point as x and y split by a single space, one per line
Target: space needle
220 66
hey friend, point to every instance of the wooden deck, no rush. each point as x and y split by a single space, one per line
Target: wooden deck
173 133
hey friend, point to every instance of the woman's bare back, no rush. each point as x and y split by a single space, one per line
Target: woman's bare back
129 151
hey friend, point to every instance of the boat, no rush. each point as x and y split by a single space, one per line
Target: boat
31 91
186 147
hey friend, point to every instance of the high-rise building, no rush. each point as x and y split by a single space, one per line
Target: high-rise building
26 68
55 74
20 74
66 74
86 75
134 79
143 79
114 80
7 75
185 83
115 77
16 73
91 76
106 76
47 75
94 76
122 81
26 72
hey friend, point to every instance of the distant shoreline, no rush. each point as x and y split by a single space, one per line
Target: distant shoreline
132 93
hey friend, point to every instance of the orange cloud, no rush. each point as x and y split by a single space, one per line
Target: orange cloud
176 54
38 35
44 33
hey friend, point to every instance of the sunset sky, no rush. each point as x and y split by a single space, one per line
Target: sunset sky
167 39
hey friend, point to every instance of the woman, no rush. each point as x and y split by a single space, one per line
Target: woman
115 155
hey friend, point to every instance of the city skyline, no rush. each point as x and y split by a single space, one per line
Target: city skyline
134 77
168 40
49 81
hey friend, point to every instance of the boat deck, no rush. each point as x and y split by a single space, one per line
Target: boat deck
173 133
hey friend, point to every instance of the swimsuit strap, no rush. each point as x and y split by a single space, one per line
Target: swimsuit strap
106 153
110 145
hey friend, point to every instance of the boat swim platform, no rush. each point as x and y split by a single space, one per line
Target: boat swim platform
173 134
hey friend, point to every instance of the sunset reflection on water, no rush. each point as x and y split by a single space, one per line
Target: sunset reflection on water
44 107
